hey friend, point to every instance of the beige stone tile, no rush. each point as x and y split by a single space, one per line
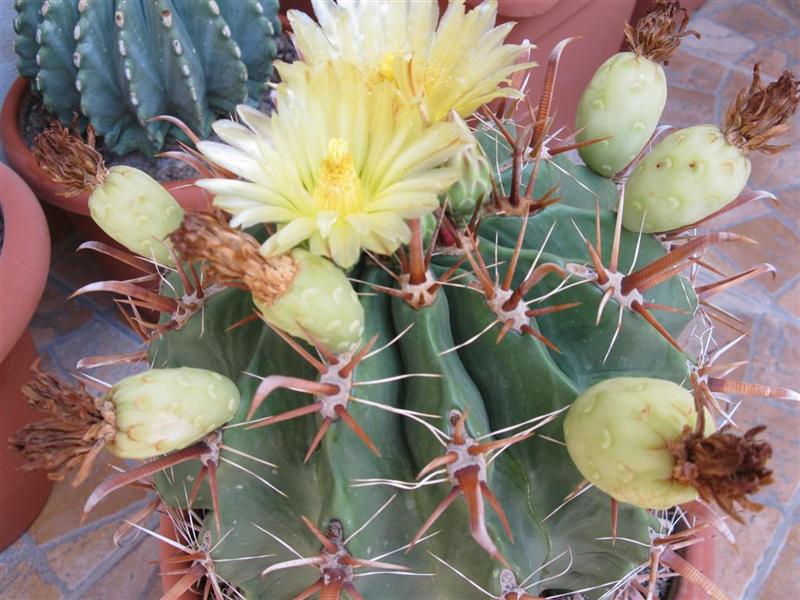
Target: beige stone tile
689 71
735 565
687 107
783 581
135 577
777 355
24 583
751 20
718 41
789 204
777 245
64 509
74 561
790 299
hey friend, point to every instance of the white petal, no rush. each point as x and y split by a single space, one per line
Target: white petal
325 221
345 245
288 236
258 122
234 160
237 135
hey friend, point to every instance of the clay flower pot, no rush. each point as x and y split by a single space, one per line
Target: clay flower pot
22 160
24 262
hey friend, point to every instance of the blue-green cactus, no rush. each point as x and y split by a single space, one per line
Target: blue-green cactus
117 64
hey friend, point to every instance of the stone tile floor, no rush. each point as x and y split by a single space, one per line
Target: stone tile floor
60 558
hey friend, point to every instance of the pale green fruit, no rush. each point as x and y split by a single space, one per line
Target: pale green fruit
617 431
623 101
320 304
136 211
690 174
162 410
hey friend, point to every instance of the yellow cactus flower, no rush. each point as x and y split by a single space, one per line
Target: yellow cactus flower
341 164
461 65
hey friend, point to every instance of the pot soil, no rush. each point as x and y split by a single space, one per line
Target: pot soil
24 263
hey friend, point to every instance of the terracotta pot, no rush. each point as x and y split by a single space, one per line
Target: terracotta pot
165 552
24 262
701 555
21 159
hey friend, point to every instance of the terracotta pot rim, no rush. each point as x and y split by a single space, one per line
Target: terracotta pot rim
25 256
21 158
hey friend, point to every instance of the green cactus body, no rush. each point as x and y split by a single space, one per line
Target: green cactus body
26 23
162 410
56 77
120 63
689 175
617 433
136 211
623 101
321 303
500 384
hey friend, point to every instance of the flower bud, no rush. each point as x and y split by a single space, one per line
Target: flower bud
474 183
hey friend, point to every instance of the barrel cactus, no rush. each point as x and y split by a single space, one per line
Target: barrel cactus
121 63
450 416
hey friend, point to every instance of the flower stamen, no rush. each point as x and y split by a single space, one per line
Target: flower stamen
338 187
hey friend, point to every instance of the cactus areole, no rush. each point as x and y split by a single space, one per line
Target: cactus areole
438 396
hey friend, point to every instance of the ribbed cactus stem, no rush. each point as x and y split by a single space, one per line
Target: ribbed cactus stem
120 63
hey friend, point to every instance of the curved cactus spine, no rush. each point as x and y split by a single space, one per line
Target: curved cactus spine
122 63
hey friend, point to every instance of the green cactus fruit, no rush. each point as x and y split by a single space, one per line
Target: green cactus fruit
696 172
617 433
162 410
320 305
623 102
136 211
626 96
690 174
119 63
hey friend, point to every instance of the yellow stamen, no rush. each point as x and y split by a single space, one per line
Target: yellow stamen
338 187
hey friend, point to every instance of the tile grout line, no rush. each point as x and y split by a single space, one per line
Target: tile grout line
771 553
105 567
